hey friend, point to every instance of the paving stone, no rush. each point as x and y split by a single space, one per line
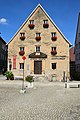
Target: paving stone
49 101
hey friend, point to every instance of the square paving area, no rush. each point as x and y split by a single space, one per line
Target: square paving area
45 101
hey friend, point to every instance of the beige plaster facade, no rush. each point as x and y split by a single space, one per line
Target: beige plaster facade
41 59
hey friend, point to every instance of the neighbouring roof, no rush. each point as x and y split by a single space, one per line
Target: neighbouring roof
37 55
2 40
49 19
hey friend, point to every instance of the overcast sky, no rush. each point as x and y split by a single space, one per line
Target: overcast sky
64 13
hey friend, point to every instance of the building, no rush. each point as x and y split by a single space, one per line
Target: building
72 62
3 56
42 43
77 46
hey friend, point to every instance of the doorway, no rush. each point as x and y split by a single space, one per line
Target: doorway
37 67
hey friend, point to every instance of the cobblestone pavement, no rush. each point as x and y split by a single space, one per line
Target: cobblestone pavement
45 101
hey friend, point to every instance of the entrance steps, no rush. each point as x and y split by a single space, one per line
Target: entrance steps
40 79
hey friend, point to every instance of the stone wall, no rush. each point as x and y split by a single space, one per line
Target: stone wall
61 58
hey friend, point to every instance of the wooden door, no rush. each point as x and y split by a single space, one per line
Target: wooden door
37 67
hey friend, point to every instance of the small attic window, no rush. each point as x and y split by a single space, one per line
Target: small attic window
45 21
31 25
45 24
53 36
31 21
22 36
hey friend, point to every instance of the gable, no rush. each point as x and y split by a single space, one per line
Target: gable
39 12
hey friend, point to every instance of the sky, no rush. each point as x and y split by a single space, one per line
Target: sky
64 14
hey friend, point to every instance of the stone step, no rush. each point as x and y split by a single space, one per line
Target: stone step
40 79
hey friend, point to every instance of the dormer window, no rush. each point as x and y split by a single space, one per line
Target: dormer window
45 24
53 36
38 36
31 25
22 36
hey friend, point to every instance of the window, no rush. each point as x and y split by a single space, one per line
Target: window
45 21
21 48
2 56
76 56
76 47
37 48
21 52
53 48
22 34
37 34
53 65
31 25
21 65
79 56
79 34
79 45
45 24
38 38
53 34
31 21
10 64
3 46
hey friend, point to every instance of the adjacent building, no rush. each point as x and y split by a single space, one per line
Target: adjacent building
42 43
77 46
3 56
72 62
